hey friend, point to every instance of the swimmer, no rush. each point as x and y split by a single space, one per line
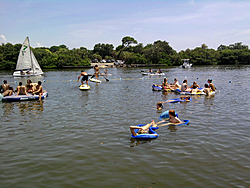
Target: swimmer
211 85
159 106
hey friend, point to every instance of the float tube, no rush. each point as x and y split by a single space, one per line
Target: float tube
84 87
178 100
14 98
151 135
95 80
156 88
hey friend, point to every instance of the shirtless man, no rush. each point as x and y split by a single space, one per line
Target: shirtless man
38 90
21 90
97 71
195 90
211 85
4 86
84 78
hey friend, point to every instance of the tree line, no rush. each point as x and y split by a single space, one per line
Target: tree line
130 51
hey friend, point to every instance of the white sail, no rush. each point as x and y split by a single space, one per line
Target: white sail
24 59
27 64
35 66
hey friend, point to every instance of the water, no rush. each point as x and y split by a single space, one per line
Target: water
82 138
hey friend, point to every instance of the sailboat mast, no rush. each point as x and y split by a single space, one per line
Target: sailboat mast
32 67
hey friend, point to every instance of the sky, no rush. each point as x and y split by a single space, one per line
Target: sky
80 23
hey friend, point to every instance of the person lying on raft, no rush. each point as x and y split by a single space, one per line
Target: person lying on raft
142 130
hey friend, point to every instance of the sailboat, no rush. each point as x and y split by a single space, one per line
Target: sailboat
27 64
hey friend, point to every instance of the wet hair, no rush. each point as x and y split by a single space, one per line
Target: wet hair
20 83
159 104
39 82
5 81
172 112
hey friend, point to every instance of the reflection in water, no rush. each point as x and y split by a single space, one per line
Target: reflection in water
137 142
31 108
8 108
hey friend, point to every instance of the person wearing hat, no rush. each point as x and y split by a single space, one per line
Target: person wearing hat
84 78
211 85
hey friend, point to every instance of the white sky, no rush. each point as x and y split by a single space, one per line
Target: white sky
80 23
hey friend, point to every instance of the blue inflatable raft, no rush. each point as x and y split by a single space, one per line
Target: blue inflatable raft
178 100
14 98
151 135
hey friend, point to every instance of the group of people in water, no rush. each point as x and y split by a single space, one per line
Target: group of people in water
31 88
193 89
173 119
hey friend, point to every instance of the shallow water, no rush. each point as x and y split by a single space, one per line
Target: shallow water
82 138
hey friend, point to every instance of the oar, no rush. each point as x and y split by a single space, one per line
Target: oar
105 77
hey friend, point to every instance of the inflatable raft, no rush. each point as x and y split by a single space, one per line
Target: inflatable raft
178 100
151 135
95 80
14 98
84 87
189 93
156 88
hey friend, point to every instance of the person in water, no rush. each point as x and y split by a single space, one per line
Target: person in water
159 106
142 130
21 90
5 86
211 85
97 71
172 117
84 78
206 90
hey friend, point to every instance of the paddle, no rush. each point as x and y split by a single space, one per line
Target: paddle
105 77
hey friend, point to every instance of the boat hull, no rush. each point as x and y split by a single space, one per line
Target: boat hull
14 98
18 74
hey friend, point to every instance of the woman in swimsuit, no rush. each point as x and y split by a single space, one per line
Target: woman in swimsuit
172 117
21 90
